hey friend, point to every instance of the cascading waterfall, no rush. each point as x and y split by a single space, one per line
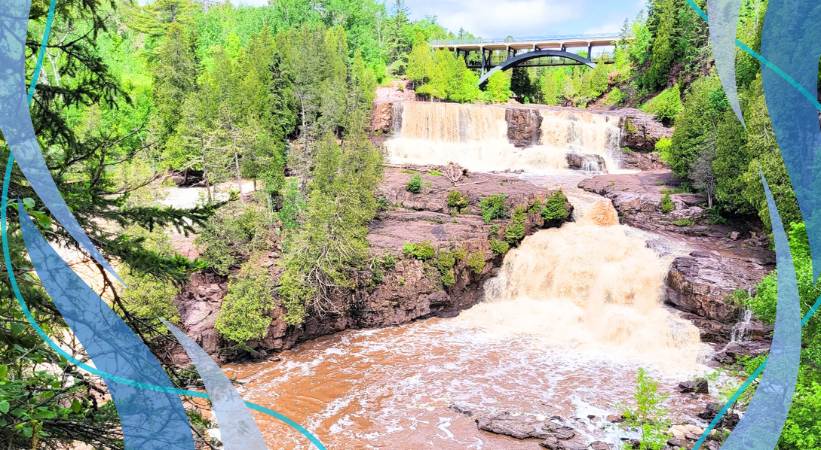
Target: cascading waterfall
589 286
476 137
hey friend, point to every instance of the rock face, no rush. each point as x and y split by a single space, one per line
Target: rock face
385 117
642 161
524 127
701 282
641 131
589 163
411 289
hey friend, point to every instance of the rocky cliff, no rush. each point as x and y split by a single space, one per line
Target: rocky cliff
720 259
405 290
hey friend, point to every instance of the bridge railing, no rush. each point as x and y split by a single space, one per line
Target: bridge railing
558 38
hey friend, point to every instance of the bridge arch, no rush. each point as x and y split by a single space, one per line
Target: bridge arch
519 59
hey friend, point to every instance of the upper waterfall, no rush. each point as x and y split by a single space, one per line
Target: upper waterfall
488 138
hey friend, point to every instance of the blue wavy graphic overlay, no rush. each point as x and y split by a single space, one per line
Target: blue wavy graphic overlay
790 38
763 421
723 21
17 128
238 431
150 419
11 42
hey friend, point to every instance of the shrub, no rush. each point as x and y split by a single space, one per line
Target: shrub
515 231
615 97
667 205
448 277
684 222
422 251
457 201
499 247
245 311
476 262
494 230
555 211
649 416
233 233
493 207
414 184
665 106
663 147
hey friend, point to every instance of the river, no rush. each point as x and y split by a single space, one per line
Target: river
562 330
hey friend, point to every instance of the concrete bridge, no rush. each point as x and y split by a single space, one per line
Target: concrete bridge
493 55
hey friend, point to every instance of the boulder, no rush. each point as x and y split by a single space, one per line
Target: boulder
588 163
524 126
697 386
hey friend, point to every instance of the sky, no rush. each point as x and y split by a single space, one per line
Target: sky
522 18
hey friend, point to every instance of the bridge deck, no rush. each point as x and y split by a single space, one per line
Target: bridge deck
530 43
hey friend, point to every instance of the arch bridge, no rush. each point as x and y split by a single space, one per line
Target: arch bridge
493 55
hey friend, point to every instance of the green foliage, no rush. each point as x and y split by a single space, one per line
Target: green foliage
476 262
493 207
615 97
516 228
555 210
442 75
423 251
445 262
245 313
321 256
684 222
666 105
667 206
499 247
648 416
802 429
663 147
293 204
233 234
457 201
498 88
414 185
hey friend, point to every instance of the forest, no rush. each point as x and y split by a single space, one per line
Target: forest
281 95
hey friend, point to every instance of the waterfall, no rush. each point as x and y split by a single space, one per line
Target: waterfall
476 137
590 285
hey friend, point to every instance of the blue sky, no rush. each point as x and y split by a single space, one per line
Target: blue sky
500 18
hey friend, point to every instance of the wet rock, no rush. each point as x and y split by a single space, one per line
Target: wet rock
524 126
462 409
385 117
730 419
599 445
642 161
641 131
552 443
734 235
678 443
519 426
615 418
588 163
698 386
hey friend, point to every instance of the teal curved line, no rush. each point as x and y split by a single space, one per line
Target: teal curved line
36 326
809 96
41 53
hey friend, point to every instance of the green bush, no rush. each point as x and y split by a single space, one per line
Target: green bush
665 106
499 247
422 251
663 147
667 205
448 277
802 429
493 207
555 211
476 262
648 416
615 97
516 228
414 184
245 311
233 233
684 222
457 201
